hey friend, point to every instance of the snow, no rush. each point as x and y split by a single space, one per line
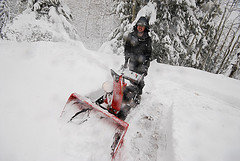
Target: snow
185 114
203 124
28 26
148 11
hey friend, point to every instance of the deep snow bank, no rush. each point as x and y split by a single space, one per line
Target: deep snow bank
36 80
185 114
205 112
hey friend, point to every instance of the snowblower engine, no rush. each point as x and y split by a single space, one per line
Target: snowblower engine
113 100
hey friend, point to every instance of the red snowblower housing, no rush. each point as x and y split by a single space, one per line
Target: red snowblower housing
108 102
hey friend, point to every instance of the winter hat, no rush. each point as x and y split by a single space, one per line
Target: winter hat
143 22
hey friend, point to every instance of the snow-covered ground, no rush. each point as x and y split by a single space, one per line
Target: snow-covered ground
185 114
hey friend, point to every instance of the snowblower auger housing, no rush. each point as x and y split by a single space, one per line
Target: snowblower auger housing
109 103
84 104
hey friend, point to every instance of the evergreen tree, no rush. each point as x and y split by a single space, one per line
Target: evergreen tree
116 39
4 14
227 42
185 32
43 20
126 10
183 29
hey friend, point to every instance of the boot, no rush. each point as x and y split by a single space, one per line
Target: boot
137 99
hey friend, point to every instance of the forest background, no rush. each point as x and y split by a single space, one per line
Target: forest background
203 34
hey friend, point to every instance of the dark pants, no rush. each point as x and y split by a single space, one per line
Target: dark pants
137 67
140 69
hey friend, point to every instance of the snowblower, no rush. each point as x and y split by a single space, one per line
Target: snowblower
113 102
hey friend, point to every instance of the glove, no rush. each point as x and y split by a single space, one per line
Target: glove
146 66
146 63
125 65
145 73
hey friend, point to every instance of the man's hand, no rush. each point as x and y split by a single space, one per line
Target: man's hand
125 65
126 62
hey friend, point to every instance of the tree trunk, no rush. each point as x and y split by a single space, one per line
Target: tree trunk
212 43
228 52
224 42
134 10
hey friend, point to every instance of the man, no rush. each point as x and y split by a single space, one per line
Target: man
138 51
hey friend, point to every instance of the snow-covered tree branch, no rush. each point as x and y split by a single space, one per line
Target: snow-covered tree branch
4 14
38 14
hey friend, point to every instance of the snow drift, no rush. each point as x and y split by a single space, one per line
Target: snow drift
185 114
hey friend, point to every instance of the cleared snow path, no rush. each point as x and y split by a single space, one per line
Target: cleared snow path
149 135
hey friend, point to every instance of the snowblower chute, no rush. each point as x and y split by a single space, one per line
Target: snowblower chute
108 103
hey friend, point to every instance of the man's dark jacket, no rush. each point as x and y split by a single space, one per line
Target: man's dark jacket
138 51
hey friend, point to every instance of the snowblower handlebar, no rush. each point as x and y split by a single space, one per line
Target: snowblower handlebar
127 74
